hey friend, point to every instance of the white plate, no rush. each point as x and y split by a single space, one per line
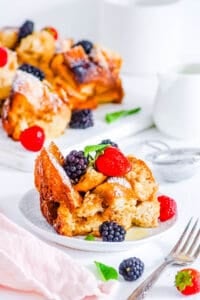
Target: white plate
137 93
30 209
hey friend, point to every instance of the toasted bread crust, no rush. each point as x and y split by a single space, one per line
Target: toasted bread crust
32 102
88 79
141 180
119 199
7 74
52 182
8 36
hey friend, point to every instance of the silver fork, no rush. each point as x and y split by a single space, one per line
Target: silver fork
186 250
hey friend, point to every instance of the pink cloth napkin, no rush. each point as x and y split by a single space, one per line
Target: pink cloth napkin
30 265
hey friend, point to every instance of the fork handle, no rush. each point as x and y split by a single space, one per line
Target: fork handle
141 290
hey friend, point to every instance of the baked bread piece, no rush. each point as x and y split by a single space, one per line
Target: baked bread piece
108 199
35 102
141 180
9 36
7 74
37 49
88 78
54 186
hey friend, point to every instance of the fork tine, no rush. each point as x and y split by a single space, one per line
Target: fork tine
181 238
196 254
190 235
194 243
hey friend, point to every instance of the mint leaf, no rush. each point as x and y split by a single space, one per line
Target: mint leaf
112 117
90 237
106 272
94 148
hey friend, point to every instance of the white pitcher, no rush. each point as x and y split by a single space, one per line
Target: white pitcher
177 104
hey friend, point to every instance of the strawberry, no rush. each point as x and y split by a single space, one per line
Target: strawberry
3 57
32 138
112 162
168 208
53 31
187 281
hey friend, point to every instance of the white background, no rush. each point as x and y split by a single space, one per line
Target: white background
80 19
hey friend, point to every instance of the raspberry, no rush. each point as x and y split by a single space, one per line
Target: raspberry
131 268
26 29
87 45
168 208
3 57
75 165
112 232
81 119
109 142
32 70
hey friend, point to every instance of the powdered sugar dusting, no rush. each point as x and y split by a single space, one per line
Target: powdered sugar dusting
63 45
28 85
35 91
120 180
60 169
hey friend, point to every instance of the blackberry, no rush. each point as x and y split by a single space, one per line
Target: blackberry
131 268
75 165
112 232
26 29
81 71
32 70
87 45
82 119
108 141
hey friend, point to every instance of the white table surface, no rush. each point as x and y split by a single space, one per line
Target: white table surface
15 183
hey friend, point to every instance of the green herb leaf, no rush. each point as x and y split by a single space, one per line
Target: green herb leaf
90 237
106 272
112 117
94 148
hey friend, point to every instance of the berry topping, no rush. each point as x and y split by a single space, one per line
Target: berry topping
187 281
26 29
131 268
112 162
87 45
32 70
3 57
168 208
52 31
81 70
75 165
32 138
82 119
109 142
112 232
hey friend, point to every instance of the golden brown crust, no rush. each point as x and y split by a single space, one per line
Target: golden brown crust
142 180
36 49
89 180
9 36
7 74
52 183
88 79
95 198
33 102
